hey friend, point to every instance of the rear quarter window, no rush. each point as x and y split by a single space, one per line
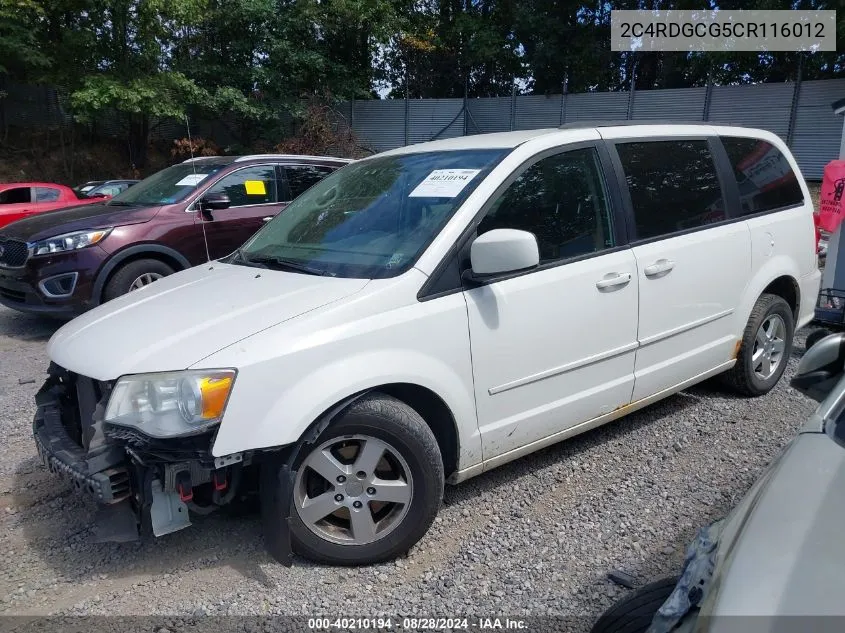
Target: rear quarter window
766 180
46 194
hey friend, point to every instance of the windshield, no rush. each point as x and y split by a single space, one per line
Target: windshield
370 219
167 186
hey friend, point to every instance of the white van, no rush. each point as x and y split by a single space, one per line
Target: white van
428 314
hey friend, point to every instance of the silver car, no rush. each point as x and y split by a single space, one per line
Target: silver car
779 552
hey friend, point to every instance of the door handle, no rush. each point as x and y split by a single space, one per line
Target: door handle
659 267
267 219
613 280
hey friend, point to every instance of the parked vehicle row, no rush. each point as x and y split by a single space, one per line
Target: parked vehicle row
65 262
23 199
419 316
100 188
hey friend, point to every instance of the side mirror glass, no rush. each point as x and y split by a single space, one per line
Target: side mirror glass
503 251
215 201
822 366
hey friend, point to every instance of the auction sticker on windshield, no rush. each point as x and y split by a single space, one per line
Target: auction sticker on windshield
191 179
444 183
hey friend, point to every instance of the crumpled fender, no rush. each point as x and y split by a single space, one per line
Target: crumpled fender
694 583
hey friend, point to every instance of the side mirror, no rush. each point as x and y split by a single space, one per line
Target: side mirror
215 201
821 368
503 251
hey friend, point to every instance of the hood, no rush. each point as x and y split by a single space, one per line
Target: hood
98 215
787 557
181 319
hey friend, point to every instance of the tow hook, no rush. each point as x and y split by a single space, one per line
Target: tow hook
220 480
184 486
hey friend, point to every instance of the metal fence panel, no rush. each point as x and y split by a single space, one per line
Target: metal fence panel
435 118
678 104
764 106
32 106
489 114
389 123
535 112
379 125
596 106
815 141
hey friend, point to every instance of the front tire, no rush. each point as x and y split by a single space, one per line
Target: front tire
134 276
369 487
765 349
634 613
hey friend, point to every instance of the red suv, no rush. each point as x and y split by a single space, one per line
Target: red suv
65 262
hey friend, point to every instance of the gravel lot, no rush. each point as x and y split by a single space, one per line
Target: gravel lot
535 537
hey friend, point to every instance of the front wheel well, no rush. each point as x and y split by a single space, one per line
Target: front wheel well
436 414
787 288
164 258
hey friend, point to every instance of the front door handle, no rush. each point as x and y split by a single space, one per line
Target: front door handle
267 219
613 280
660 267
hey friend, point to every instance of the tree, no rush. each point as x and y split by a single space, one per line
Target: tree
447 48
20 53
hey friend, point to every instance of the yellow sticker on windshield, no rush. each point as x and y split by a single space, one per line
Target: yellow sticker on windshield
255 188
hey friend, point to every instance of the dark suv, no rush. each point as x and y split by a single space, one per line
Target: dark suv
65 262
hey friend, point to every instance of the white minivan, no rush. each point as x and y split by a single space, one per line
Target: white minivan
425 315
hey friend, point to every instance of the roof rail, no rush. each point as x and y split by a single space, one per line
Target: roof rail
621 122
240 159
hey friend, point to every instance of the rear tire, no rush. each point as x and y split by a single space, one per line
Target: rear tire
634 613
762 358
133 275
382 530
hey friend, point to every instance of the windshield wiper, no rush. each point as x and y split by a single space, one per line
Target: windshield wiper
280 263
119 203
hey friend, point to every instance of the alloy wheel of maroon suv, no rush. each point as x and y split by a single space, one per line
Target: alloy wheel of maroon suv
65 262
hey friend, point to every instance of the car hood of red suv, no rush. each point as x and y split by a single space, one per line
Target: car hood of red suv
99 215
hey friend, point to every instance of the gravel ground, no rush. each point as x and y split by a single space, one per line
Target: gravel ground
534 537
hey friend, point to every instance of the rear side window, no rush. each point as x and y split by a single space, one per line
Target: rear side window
766 181
46 194
16 195
673 185
303 177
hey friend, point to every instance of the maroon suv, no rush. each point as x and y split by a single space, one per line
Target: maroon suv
65 262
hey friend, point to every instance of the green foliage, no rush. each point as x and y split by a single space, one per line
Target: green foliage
165 94
246 62
20 52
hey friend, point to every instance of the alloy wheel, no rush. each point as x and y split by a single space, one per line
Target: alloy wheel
353 490
769 347
144 280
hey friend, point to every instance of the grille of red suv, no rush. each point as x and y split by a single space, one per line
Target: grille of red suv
13 253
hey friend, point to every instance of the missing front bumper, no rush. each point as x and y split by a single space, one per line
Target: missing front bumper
139 483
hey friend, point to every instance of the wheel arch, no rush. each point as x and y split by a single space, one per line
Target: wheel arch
788 289
778 276
165 254
436 414
430 407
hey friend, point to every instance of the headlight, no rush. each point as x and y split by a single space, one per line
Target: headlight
69 242
171 404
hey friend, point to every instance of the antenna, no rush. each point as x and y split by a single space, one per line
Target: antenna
194 168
